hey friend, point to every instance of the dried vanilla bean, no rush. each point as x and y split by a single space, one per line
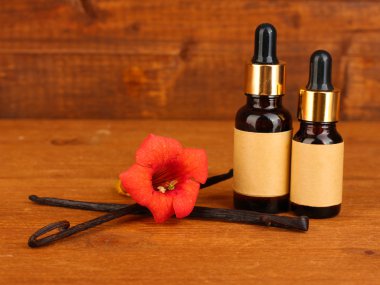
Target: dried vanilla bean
118 210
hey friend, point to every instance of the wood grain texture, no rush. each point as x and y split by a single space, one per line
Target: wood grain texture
81 160
174 59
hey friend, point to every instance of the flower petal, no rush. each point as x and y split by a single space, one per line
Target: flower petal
161 207
195 163
137 181
156 150
184 201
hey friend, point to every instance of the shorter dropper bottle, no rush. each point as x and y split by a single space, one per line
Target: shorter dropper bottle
263 132
317 148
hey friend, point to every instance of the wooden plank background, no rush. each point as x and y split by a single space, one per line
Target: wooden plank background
174 59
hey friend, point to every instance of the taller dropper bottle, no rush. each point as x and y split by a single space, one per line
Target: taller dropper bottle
262 134
317 148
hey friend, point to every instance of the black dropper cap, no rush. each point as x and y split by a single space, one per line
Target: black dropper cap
265 45
320 72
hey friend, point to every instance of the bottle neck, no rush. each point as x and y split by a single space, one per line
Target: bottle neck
264 102
318 133
316 128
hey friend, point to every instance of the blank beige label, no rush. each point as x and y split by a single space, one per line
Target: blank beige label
317 174
261 163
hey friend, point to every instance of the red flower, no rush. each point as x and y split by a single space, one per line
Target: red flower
166 177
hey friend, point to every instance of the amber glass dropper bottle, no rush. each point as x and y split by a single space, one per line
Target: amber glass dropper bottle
262 135
317 148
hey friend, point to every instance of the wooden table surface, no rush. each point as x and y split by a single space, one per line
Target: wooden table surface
81 160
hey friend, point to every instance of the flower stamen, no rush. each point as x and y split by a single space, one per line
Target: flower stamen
168 186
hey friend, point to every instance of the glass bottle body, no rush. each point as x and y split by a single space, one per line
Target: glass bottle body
263 114
322 134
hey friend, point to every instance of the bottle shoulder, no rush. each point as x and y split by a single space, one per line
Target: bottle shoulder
263 120
329 136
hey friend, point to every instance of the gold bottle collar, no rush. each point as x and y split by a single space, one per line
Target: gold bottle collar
266 80
319 106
